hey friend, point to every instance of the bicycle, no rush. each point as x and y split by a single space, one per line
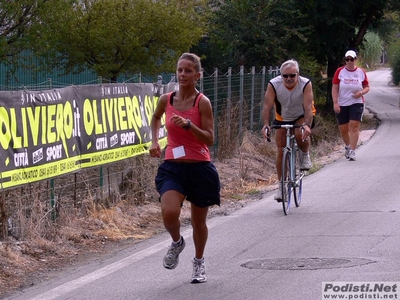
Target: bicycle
292 175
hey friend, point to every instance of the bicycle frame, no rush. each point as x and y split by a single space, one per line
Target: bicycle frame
292 176
293 149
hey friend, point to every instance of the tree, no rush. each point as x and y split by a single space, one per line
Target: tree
335 27
250 33
372 49
394 58
19 27
391 33
388 31
115 37
20 24
266 32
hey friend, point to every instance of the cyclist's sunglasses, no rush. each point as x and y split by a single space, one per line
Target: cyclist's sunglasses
350 59
289 75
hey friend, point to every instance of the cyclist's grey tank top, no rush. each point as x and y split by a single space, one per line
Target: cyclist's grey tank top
289 103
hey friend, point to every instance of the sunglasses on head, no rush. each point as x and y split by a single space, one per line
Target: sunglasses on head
289 75
350 59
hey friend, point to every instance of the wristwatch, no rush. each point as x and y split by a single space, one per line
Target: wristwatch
187 126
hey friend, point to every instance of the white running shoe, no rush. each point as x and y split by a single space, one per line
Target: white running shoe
171 260
199 271
352 155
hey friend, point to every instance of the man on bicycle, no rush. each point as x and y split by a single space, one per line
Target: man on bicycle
292 96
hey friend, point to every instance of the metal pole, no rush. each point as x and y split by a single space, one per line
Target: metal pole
229 102
253 75
52 201
262 93
215 109
201 82
101 175
3 212
241 100
101 181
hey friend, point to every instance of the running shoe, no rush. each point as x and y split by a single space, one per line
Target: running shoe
352 155
199 271
305 161
171 260
347 152
278 195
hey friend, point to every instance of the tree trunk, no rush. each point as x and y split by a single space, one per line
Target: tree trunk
330 72
333 64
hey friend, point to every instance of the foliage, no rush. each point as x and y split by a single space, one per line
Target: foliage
351 21
394 59
263 32
115 37
396 71
389 27
250 33
122 37
372 50
20 27
390 33
335 27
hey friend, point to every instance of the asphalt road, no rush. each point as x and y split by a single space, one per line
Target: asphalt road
346 230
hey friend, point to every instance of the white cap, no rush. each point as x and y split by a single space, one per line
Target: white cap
350 53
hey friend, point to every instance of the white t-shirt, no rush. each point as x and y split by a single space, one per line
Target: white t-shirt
350 82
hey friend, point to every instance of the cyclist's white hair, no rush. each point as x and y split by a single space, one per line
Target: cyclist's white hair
290 63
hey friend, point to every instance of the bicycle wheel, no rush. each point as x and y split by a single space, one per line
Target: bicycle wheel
285 181
298 182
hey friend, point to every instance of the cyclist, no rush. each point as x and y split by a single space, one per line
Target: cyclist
292 97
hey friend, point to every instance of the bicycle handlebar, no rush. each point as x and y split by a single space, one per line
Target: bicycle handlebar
287 126
277 126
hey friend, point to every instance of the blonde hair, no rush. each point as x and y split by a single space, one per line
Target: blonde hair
193 58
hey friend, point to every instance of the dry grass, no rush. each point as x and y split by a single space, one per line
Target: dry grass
96 224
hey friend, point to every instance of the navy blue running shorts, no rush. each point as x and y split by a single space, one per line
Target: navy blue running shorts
198 181
352 112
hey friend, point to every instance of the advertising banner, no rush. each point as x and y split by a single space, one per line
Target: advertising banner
44 134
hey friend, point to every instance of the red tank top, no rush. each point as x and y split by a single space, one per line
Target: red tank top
186 145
